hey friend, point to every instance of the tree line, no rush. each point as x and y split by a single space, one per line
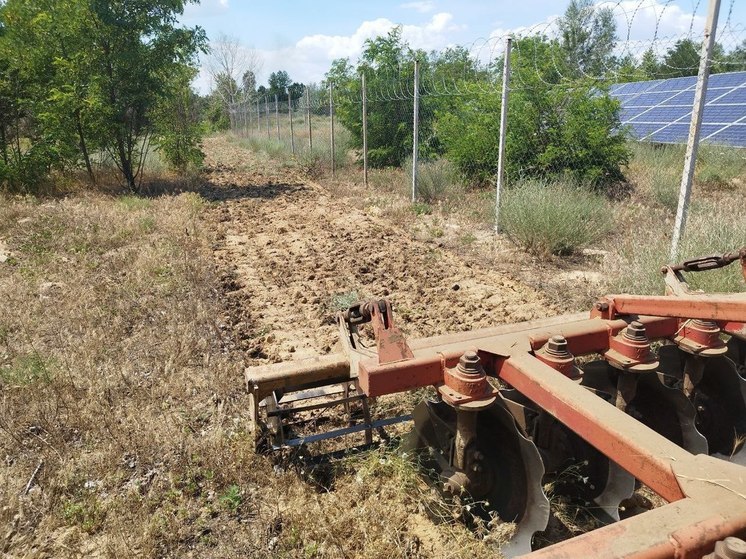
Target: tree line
561 118
104 81
85 80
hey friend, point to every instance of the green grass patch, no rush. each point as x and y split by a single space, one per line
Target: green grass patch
85 512
343 301
134 203
718 167
422 208
232 498
28 369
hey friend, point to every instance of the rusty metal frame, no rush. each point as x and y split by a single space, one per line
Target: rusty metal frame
706 496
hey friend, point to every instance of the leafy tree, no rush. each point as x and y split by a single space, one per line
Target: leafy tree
27 153
649 65
295 90
176 122
588 38
683 60
137 48
89 75
233 70
555 126
279 83
388 65
735 61
248 82
214 113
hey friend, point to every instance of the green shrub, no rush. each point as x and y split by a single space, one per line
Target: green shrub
555 127
27 369
553 218
436 180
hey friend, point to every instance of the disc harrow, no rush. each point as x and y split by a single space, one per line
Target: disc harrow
647 390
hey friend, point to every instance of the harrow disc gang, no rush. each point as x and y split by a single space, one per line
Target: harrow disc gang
503 471
514 403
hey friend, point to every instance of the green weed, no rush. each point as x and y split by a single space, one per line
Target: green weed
231 498
28 369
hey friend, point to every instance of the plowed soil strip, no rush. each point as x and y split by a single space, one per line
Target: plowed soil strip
298 256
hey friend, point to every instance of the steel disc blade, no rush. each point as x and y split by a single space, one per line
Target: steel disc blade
737 354
516 493
574 467
719 400
656 404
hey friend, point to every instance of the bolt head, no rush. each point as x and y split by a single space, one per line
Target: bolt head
735 548
557 344
469 362
635 331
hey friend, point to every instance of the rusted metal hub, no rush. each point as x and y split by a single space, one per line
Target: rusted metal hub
701 337
469 473
466 385
466 388
556 354
630 350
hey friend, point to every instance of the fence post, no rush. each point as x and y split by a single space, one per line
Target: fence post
266 112
331 114
692 145
503 127
308 114
258 116
290 113
415 127
277 116
365 132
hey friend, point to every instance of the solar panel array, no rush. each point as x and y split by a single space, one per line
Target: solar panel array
661 110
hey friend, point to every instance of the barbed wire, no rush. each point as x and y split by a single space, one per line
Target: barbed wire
481 66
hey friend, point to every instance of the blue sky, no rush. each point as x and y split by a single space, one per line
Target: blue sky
303 37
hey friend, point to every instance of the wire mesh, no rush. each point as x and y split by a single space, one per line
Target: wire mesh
560 71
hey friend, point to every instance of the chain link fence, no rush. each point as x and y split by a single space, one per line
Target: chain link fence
440 113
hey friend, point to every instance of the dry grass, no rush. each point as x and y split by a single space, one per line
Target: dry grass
119 373
115 376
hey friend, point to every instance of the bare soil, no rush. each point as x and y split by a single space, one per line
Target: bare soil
297 255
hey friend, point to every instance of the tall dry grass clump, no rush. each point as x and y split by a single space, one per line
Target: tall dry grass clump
553 217
712 228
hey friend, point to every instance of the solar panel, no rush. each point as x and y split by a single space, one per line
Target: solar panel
660 110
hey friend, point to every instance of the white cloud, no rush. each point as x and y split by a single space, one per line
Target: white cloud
649 19
206 8
641 24
310 58
423 7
